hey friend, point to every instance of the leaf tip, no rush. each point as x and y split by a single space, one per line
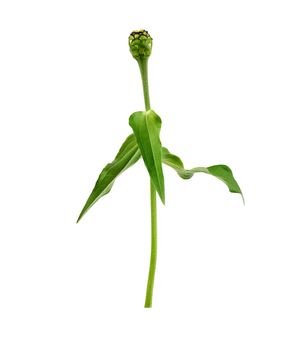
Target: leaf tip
242 198
162 197
80 216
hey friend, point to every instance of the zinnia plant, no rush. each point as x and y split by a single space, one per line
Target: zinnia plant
145 143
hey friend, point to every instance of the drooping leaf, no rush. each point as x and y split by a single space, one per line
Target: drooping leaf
146 127
128 155
222 172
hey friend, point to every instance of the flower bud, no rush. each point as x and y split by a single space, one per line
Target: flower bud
140 44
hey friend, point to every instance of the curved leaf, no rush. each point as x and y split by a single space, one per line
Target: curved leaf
146 127
221 171
128 155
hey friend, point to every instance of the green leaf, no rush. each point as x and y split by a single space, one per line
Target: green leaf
128 155
146 127
222 172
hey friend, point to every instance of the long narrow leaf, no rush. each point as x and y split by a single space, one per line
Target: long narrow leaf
222 172
146 127
128 155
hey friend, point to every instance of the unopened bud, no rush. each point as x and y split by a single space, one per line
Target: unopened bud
140 44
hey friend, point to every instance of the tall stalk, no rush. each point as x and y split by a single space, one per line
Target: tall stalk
143 64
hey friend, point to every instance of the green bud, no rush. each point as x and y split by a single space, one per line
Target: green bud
140 44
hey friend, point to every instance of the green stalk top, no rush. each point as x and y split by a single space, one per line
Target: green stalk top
140 44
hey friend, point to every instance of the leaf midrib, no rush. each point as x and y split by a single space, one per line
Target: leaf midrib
154 159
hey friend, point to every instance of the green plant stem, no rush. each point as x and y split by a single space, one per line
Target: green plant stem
143 64
150 283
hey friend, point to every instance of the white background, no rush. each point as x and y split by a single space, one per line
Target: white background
223 78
